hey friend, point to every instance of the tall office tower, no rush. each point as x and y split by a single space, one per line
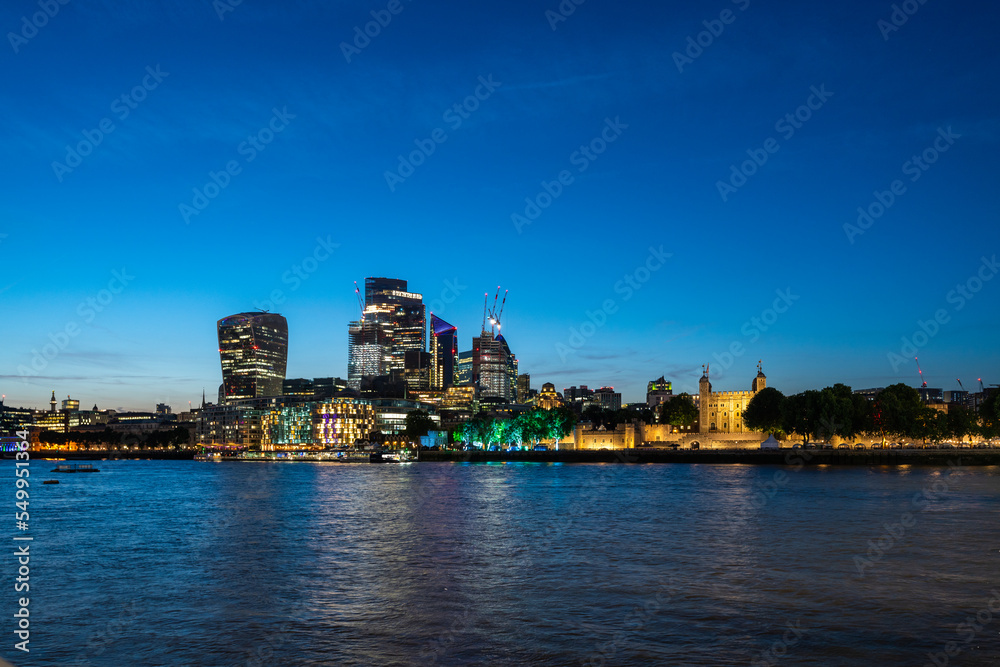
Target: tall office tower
463 376
524 387
393 319
418 370
494 368
364 352
254 352
444 353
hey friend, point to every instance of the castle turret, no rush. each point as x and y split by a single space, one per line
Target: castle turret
704 396
760 381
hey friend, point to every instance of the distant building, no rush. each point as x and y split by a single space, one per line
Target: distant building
391 324
931 395
608 398
494 367
70 404
444 353
870 394
14 419
548 398
162 409
524 388
417 370
658 392
722 411
253 348
464 375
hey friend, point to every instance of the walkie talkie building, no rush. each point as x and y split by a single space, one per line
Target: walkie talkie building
253 348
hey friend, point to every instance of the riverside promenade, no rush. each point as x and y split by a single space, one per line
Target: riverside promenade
864 457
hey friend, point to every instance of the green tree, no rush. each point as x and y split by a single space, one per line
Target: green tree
896 410
679 411
418 423
961 422
765 412
802 415
989 415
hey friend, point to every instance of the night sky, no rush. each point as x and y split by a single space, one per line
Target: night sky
622 132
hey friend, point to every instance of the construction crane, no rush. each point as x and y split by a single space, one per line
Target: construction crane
921 372
981 390
486 301
499 313
361 303
959 381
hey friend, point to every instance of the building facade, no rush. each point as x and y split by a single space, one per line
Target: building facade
722 412
253 348
444 353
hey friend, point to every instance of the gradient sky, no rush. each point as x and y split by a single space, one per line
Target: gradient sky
322 177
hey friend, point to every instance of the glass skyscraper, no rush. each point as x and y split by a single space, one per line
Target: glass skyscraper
392 324
444 353
253 348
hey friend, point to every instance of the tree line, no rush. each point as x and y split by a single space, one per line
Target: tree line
897 411
176 437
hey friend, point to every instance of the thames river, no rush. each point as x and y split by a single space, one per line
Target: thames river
188 563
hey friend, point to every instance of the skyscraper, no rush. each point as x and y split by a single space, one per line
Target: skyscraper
444 353
253 348
394 321
494 367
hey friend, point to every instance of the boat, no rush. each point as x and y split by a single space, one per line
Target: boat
51 481
75 467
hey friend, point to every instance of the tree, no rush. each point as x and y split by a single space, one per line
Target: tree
418 423
801 415
989 413
561 422
896 411
679 411
765 411
960 422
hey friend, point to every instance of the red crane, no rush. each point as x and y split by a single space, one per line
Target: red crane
361 303
921 372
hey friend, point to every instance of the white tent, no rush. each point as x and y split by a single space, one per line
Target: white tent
770 443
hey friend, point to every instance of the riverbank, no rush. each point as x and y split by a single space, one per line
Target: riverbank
101 454
865 457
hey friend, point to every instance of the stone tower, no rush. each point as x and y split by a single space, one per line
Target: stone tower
760 381
704 396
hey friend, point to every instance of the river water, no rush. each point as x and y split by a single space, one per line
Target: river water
188 563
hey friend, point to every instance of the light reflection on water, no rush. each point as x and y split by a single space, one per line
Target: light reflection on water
184 563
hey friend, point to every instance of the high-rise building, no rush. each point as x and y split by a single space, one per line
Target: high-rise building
444 353
463 377
608 398
418 370
392 323
524 387
253 348
658 392
494 367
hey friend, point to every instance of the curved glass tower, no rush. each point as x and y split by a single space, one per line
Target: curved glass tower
254 352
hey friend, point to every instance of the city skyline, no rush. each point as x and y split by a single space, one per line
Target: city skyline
581 153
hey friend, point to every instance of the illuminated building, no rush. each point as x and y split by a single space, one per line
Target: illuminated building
548 397
658 392
253 348
722 411
444 353
464 374
524 388
494 367
392 323
417 370
608 398
71 404
14 419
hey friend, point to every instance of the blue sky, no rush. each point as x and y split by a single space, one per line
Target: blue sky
447 227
